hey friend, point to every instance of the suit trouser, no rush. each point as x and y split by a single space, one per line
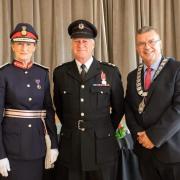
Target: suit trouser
153 169
108 172
49 174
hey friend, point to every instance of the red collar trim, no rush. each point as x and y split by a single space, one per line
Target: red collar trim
22 65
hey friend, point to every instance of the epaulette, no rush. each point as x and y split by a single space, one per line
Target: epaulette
40 65
65 63
4 65
107 63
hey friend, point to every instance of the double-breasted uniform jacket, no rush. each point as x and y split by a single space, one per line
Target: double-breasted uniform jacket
161 117
87 105
25 89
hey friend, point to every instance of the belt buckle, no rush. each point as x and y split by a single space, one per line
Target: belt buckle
79 125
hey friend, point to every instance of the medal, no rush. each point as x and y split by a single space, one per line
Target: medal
103 78
37 81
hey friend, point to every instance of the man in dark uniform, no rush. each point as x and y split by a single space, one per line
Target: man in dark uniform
153 109
88 97
26 111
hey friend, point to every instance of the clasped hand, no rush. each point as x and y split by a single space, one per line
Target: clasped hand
51 157
54 154
144 140
4 167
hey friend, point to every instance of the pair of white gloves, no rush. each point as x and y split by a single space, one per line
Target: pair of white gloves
5 165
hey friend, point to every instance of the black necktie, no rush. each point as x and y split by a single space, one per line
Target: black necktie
83 72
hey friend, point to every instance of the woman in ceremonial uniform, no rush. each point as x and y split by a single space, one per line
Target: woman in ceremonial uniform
25 102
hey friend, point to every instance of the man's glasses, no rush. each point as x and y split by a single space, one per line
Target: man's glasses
150 43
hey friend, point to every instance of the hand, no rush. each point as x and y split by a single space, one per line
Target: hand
144 140
53 155
4 167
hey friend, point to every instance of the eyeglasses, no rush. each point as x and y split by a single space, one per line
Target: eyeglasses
150 43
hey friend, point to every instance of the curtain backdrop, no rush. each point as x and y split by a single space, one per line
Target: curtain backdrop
116 21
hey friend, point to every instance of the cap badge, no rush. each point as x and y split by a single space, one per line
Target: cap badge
24 32
81 26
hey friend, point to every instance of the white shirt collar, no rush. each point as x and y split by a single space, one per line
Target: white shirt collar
154 66
87 64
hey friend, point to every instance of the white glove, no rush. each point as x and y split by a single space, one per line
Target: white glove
4 167
53 155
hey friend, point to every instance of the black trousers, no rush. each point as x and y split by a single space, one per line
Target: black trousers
25 170
107 172
153 169
49 174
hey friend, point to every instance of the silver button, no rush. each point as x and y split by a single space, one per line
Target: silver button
109 134
29 99
26 72
102 92
82 86
82 114
64 92
29 125
28 85
82 99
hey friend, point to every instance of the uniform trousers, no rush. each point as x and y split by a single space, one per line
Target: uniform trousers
25 169
106 172
157 170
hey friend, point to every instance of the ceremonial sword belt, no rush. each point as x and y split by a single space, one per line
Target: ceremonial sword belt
16 113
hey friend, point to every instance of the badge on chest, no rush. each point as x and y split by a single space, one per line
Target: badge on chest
38 83
103 80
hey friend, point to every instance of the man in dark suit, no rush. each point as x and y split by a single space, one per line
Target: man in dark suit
88 97
152 108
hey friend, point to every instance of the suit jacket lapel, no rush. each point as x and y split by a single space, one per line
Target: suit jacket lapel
152 87
149 92
154 83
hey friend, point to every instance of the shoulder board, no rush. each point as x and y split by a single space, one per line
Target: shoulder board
65 63
4 65
40 65
107 63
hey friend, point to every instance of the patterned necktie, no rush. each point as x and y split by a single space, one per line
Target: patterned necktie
83 72
147 80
